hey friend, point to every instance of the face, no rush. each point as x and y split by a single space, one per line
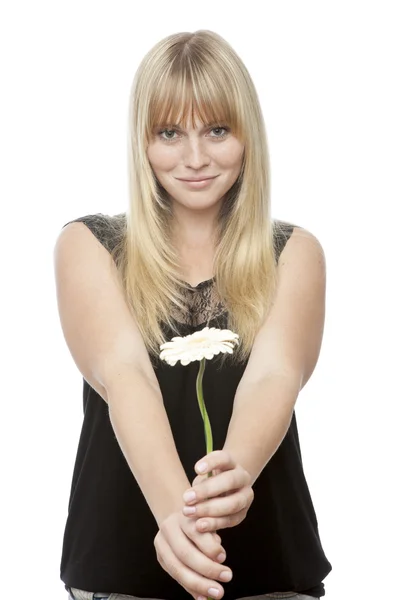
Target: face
177 155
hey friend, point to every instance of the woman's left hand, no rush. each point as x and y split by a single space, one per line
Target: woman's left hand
222 500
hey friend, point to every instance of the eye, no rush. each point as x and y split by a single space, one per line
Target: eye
223 130
167 131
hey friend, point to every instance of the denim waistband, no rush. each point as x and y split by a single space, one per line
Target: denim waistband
77 594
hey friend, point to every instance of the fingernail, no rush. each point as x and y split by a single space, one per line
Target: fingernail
221 557
213 592
202 467
189 510
189 496
226 575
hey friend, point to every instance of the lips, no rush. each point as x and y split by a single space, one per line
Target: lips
197 178
198 184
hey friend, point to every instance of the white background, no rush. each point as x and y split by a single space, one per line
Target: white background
327 74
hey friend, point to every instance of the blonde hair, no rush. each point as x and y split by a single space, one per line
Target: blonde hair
202 71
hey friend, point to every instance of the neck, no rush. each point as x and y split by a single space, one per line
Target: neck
194 231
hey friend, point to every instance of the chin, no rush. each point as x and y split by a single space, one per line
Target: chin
199 203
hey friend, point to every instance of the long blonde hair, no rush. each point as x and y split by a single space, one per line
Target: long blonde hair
200 71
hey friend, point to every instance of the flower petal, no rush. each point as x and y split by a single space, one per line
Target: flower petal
205 343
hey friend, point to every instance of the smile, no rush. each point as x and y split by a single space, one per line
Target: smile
200 183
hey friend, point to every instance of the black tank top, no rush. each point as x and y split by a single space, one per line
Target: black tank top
109 535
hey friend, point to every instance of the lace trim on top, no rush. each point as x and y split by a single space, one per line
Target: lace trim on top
203 304
202 301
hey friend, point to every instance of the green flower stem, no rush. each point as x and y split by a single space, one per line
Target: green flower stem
203 411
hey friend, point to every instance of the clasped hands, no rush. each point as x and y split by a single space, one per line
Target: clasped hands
187 544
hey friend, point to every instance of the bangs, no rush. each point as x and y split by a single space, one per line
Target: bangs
186 92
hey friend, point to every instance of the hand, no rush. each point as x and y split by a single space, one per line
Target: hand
191 558
223 498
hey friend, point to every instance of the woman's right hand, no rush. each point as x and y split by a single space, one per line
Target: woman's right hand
192 558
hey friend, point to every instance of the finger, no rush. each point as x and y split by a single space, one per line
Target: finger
218 459
209 543
178 571
210 487
215 535
212 523
199 479
191 568
221 506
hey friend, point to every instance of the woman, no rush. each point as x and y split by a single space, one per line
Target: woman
197 246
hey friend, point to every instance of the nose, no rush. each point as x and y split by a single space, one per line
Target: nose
195 154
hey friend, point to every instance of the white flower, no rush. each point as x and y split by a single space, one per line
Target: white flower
202 344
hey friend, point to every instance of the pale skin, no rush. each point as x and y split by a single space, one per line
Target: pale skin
283 358
177 153
109 351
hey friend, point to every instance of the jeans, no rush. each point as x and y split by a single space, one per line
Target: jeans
75 594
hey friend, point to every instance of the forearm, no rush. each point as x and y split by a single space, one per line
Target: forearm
143 432
261 416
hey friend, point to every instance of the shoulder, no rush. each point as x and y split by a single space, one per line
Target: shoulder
107 229
291 239
289 340
282 231
302 268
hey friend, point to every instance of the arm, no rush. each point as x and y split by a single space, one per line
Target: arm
143 432
109 351
260 419
283 357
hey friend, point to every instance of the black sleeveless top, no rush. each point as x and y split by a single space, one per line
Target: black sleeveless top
109 535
